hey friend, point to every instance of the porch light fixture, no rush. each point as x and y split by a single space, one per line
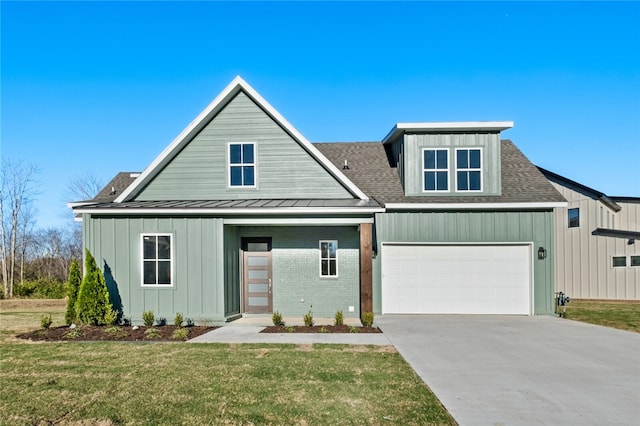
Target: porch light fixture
542 253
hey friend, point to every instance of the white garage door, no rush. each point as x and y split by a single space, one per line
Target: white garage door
456 279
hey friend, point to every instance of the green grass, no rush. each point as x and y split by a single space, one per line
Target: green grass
183 383
617 314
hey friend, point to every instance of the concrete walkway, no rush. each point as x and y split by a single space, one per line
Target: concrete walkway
509 370
247 330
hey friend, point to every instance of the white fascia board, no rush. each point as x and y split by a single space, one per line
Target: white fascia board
475 206
231 211
317 221
205 116
451 126
74 204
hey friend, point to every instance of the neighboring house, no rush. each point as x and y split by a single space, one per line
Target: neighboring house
240 214
597 243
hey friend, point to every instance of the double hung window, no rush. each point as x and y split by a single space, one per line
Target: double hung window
329 258
242 164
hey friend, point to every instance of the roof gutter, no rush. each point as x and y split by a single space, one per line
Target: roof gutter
475 206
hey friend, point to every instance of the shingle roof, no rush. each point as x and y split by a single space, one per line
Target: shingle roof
115 187
371 170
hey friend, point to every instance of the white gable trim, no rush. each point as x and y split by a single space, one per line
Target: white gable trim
237 85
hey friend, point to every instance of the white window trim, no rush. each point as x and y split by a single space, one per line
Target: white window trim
254 164
328 258
457 169
171 259
448 170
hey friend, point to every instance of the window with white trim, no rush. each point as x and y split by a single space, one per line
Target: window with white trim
329 258
242 164
157 260
468 169
435 170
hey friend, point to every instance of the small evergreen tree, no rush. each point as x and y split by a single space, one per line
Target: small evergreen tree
73 285
93 298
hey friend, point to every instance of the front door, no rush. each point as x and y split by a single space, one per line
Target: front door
256 265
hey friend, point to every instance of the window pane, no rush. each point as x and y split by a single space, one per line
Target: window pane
441 162
333 247
235 154
325 267
462 161
149 272
429 181
574 218
236 176
164 247
443 183
149 247
474 181
474 158
248 176
247 154
324 250
164 272
463 185
635 260
619 261
332 268
429 159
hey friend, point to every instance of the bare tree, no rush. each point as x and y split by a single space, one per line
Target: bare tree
17 191
83 187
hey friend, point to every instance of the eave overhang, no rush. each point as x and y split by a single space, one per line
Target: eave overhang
447 127
474 206
616 233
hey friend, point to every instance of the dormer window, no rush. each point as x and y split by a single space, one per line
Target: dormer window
469 169
242 165
435 169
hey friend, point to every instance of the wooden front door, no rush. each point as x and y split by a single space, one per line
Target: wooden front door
257 277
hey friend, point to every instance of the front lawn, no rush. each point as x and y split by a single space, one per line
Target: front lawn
624 315
183 383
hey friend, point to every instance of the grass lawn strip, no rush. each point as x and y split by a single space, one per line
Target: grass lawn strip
624 315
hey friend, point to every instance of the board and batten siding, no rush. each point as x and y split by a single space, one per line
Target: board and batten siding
283 168
198 274
534 227
584 261
491 166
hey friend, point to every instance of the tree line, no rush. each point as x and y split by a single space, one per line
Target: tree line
36 261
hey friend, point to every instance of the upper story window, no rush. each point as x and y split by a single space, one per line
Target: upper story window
242 164
469 169
157 260
329 258
574 218
435 168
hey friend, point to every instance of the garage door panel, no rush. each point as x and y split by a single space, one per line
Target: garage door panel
465 279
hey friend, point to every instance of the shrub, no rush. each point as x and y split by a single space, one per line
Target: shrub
148 318
116 332
178 320
339 318
73 334
111 316
46 321
161 321
180 333
73 286
308 319
93 296
353 329
41 288
290 329
189 322
277 318
367 319
125 321
324 329
151 333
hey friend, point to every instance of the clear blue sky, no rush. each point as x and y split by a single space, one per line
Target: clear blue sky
105 87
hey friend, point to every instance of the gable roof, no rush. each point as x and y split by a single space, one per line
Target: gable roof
236 86
370 168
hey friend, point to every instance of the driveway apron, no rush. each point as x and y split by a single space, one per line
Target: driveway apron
511 370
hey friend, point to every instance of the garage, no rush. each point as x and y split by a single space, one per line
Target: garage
456 279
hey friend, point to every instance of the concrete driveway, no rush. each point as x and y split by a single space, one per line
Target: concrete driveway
510 370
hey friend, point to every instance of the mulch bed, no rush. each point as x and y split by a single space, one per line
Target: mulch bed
320 329
105 333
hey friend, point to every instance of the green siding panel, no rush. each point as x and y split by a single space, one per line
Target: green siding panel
284 168
536 227
491 166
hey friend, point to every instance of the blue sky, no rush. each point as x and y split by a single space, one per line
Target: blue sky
104 87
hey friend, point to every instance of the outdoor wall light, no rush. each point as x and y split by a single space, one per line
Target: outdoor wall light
542 253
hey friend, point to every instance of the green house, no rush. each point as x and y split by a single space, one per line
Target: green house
242 215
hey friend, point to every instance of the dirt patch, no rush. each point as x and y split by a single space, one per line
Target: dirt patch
319 329
163 333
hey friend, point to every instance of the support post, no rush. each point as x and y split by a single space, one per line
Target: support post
366 286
